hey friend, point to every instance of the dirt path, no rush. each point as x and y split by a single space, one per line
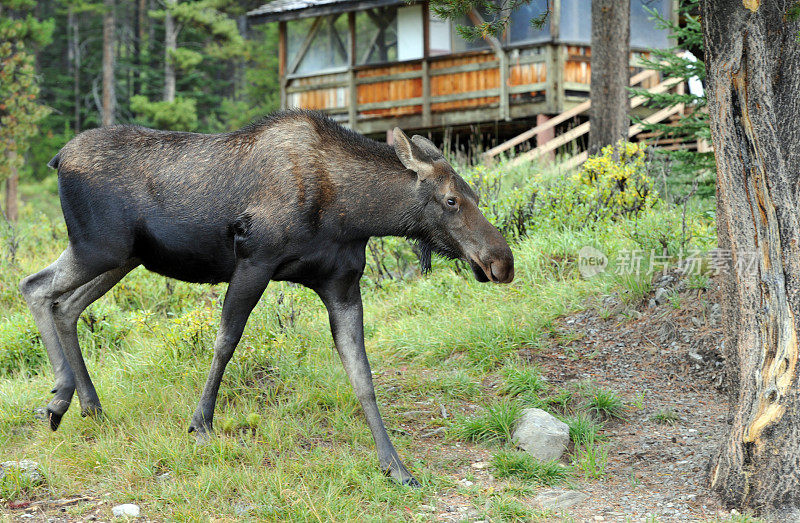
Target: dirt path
663 359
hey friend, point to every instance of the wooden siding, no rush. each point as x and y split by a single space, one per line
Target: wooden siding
323 98
578 67
392 90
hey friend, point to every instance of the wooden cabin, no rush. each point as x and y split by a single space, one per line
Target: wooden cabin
376 64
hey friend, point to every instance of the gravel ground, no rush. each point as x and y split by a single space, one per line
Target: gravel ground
657 356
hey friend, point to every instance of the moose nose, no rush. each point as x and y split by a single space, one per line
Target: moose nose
502 270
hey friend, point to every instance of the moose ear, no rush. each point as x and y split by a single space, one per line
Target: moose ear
410 155
426 146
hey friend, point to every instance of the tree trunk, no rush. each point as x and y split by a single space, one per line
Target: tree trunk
109 97
12 184
611 37
139 45
753 65
170 45
73 35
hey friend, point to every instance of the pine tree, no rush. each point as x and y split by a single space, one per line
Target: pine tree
20 111
207 20
693 124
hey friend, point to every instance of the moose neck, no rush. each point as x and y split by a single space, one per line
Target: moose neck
380 196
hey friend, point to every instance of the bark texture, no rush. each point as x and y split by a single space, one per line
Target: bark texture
611 37
109 97
753 64
170 46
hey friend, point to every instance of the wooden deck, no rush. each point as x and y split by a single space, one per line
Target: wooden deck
483 86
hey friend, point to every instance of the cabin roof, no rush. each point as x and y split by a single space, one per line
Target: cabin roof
279 10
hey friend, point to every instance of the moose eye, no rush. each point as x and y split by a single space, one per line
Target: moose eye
451 202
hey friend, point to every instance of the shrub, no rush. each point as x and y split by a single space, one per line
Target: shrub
21 348
190 335
617 186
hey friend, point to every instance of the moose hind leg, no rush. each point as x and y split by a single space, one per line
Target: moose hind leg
246 287
43 290
343 300
68 308
36 291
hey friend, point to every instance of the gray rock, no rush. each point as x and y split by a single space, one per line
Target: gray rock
541 435
557 499
128 510
28 470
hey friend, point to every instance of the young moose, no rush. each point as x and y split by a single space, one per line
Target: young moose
294 197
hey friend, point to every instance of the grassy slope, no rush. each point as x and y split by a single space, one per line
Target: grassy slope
293 443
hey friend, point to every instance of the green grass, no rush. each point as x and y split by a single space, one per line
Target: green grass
522 380
292 441
495 423
591 457
582 427
665 416
523 466
605 403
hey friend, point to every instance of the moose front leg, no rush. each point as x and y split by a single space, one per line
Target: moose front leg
246 287
343 301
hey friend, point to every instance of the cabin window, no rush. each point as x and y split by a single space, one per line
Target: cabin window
520 30
317 44
576 23
439 36
644 32
388 34
409 32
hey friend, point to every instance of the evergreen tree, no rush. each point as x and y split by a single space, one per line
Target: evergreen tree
207 20
693 124
20 111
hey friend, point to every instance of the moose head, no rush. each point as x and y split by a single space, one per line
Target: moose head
452 224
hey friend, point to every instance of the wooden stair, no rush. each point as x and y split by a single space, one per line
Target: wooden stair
671 114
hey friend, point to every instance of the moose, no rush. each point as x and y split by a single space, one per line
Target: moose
293 197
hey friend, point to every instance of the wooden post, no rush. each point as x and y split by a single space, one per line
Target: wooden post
352 88
556 61
545 136
505 111
12 185
282 61
426 76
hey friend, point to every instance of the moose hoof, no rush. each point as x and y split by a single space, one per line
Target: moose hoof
54 418
402 476
92 411
202 433
46 414
411 481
